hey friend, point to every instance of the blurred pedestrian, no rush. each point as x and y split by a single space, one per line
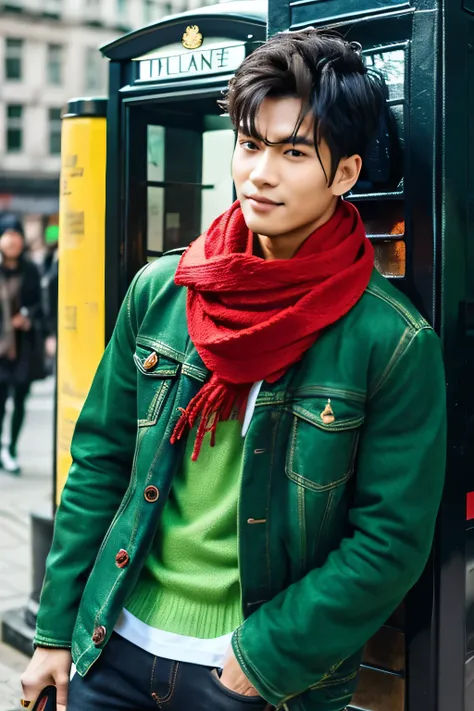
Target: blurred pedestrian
21 342
49 284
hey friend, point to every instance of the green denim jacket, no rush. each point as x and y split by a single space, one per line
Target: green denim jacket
335 519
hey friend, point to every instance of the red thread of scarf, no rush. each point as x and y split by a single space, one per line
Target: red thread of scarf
213 403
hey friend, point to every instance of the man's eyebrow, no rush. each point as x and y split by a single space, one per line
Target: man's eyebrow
293 140
298 141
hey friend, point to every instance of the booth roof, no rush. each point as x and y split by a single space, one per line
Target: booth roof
256 9
251 11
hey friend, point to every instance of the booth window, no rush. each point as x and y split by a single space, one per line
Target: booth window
218 147
55 64
14 128
156 193
14 59
54 131
189 180
391 63
379 193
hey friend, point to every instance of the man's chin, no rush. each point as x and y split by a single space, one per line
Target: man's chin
262 226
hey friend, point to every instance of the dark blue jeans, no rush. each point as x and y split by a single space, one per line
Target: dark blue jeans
126 678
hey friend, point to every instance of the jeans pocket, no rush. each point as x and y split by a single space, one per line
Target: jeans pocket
255 701
163 680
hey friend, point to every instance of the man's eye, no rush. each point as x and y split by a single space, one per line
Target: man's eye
249 145
294 153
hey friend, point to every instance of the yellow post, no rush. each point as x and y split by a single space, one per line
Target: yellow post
81 298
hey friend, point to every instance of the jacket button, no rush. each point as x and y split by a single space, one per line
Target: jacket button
99 635
151 361
122 558
151 494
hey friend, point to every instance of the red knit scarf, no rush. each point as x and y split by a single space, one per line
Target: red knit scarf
251 319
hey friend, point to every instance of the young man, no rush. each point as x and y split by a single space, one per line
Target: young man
259 464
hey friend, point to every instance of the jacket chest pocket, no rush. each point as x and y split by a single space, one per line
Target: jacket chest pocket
321 455
156 375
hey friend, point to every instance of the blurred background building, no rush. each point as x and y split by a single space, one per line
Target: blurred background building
48 55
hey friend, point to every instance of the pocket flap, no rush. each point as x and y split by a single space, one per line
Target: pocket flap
155 365
331 411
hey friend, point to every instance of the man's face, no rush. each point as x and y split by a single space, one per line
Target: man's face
282 188
11 244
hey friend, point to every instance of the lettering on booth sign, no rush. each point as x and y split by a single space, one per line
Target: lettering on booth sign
212 60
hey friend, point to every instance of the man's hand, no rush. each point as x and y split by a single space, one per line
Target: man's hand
234 679
48 667
21 322
50 346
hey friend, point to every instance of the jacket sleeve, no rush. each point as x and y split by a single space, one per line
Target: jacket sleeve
302 635
102 452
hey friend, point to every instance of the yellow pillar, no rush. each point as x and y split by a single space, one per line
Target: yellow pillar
81 298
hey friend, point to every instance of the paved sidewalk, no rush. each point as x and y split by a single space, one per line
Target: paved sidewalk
18 497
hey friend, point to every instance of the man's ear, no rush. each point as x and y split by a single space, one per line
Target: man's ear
347 175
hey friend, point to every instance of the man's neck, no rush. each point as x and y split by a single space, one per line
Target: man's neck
285 246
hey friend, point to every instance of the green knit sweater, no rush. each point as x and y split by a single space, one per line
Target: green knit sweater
190 582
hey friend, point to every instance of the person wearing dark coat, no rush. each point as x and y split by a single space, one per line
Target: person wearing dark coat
21 356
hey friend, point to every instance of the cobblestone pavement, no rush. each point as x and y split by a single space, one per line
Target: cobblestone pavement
19 496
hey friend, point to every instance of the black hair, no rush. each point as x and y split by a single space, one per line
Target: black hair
11 222
328 74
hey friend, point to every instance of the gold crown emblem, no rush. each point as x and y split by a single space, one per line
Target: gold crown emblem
192 38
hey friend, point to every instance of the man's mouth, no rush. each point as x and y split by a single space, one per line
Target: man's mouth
262 205
263 200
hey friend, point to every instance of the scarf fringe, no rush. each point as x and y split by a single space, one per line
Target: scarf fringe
213 403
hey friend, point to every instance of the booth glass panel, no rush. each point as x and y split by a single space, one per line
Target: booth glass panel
391 63
218 147
156 152
189 181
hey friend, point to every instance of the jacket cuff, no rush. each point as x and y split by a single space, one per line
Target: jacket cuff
42 640
263 686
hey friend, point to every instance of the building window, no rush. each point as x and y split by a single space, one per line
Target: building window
148 11
121 9
93 12
55 64
94 70
54 132
14 128
52 8
13 58
167 8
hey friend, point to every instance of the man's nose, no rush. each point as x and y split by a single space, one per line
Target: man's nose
264 171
